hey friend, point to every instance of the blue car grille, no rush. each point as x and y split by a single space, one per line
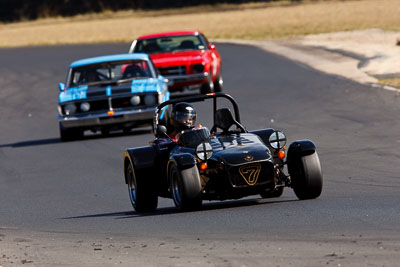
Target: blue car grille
98 105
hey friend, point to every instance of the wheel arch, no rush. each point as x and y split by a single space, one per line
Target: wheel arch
182 161
305 169
300 148
142 158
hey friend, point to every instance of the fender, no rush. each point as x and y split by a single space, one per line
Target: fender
300 148
183 160
296 151
142 158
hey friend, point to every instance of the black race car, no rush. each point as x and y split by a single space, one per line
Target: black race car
227 162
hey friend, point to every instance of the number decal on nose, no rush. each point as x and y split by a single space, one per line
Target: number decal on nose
250 173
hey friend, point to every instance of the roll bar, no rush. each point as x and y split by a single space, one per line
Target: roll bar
198 98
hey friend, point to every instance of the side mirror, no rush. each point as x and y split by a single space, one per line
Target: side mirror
161 131
211 46
61 86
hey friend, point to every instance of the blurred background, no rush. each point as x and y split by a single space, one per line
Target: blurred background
17 10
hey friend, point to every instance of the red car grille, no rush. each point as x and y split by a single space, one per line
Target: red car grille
172 71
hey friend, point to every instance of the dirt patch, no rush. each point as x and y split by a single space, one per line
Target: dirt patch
69 249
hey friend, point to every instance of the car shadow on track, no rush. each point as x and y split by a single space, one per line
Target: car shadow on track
50 141
172 210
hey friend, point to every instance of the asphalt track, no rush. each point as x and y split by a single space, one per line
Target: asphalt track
76 189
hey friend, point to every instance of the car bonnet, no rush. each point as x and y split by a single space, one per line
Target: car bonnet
240 148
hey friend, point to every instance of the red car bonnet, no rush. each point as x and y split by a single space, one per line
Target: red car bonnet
178 58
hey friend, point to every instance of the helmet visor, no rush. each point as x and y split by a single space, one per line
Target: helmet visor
187 118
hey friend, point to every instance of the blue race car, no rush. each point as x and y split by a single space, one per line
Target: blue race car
111 92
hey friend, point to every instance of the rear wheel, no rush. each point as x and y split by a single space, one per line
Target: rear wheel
141 193
307 177
105 131
185 187
207 87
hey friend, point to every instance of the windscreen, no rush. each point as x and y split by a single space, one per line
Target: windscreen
115 71
169 44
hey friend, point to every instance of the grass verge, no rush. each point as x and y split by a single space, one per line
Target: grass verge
395 82
248 21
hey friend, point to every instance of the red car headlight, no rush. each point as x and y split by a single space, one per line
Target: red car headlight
198 68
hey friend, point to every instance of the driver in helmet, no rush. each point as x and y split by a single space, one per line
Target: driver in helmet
183 117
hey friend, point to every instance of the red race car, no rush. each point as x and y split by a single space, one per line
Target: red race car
186 58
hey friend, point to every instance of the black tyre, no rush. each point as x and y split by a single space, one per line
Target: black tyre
141 193
219 83
127 130
271 194
105 132
207 87
307 177
69 134
185 188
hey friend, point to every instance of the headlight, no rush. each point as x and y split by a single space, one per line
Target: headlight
135 100
69 109
198 68
85 106
204 151
277 140
149 100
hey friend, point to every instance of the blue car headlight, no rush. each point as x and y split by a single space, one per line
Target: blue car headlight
135 100
150 100
69 109
85 106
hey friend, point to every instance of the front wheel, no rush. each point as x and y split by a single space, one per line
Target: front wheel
219 83
69 134
207 87
105 132
141 193
185 187
307 177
